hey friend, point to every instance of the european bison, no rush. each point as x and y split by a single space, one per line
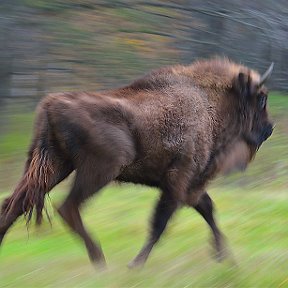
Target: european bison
174 129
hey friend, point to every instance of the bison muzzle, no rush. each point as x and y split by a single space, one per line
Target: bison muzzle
175 129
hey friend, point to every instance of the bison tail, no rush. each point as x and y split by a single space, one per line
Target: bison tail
30 193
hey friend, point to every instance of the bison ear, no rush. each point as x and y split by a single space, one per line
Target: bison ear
242 85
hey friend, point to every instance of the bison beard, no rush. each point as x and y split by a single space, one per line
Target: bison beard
174 129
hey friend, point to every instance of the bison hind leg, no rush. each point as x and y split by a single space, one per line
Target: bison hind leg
92 174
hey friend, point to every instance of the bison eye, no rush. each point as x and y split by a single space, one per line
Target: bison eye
262 99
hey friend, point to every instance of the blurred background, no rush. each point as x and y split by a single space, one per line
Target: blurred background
70 45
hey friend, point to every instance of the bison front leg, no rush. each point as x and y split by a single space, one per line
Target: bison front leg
206 210
165 208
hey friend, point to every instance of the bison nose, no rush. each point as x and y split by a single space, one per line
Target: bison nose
268 131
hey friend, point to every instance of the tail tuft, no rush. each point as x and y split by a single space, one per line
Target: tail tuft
31 190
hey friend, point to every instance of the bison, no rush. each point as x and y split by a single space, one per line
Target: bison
175 129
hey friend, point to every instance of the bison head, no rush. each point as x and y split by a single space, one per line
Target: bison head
256 126
253 98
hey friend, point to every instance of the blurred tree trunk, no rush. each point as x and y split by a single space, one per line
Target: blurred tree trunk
5 58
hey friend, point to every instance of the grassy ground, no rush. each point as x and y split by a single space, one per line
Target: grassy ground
254 223
252 212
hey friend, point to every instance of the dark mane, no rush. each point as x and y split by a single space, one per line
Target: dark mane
217 74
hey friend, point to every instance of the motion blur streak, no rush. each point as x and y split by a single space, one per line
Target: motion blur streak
61 45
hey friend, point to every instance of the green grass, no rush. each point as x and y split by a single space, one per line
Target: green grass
251 211
254 223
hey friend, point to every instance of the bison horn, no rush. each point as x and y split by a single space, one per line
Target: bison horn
266 75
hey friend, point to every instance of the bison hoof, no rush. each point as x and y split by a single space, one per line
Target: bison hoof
220 255
135 264
220 250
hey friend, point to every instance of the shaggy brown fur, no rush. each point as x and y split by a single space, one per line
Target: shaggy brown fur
175 129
